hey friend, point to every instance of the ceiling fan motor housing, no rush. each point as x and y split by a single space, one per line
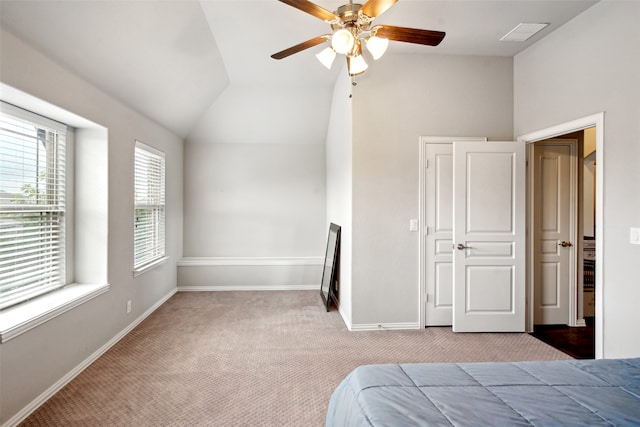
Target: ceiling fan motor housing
348 14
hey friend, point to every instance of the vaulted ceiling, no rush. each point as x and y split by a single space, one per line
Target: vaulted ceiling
171 60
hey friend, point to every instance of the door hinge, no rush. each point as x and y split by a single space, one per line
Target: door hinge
426 164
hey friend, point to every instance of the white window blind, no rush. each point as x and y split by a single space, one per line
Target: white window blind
32 205
149 223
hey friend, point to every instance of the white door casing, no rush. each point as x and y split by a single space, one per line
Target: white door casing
554 213
489 237
436 192
597 121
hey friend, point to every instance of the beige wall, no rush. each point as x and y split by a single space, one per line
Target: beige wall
339 170
254 200
399 99
591 65
589 142
254 188
37 359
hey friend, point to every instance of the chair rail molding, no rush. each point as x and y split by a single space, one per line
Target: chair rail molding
247 261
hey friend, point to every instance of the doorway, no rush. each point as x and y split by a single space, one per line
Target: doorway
472 200
562 232
597 122
589 308
553 229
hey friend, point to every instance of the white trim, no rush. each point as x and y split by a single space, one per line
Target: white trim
385 326
23 317
146 267
31 103
149 148
422 212
38 401
596 120
564 128
343 314
28 116
214 288
247 261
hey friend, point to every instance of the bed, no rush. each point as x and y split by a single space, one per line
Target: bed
563 393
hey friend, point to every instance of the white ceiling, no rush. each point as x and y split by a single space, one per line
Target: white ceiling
171 59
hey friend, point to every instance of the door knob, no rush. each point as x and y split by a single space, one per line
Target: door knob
565 244
462 247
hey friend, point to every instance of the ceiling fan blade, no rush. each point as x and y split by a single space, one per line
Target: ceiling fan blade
300 47
373 8
409 35
312 9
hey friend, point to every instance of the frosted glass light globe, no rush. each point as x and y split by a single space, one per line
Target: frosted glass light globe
342 41
377 46
326 57
357 65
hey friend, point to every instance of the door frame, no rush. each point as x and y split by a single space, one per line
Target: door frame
596 120
422 212
574 221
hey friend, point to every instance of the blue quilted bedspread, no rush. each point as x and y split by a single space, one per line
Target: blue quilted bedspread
558 393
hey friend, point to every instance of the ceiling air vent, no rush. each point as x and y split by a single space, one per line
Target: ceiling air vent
522 32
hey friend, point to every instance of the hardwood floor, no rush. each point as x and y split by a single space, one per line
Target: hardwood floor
576 342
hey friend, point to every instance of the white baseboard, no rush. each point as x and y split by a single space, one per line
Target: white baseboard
58 385
345 319
376 326
212 288
384 326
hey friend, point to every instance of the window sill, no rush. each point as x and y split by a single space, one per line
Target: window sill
146 267
19 319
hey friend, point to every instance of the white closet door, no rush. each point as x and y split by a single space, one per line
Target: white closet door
489 237
439 234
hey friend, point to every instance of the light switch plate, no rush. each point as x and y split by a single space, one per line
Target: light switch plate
634 235
413 225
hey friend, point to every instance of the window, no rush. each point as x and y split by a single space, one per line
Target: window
32 205
80 148
149 247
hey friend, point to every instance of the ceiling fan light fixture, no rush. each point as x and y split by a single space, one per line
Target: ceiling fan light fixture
351 27
357 65
342 41
326 57
377 46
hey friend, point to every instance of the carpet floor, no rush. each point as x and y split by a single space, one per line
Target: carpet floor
250 359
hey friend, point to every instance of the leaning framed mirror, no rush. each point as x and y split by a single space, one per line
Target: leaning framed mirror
328 289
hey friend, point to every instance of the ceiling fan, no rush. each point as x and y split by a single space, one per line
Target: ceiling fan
352 27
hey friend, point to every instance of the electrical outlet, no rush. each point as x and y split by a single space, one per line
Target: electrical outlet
128 306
